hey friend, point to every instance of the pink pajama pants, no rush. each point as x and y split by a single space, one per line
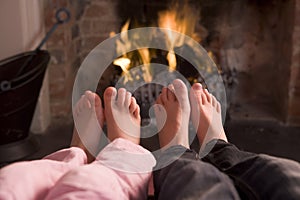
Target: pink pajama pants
115 174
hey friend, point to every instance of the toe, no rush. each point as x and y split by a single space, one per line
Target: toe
208 95
164 95
195 97
132 105
203 98
171 95
86 104
121 97
109 96
181 92
158 100
213 101
197 87
195 93
77 108
81 103
93 98
136 112
127 99
218 107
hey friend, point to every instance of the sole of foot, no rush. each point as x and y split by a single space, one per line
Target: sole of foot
206 115
89 119
172 112
122 115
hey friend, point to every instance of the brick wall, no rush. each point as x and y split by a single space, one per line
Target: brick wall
91 22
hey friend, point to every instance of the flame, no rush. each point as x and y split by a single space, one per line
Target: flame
181 19
123 43
125 61
146 59
172 60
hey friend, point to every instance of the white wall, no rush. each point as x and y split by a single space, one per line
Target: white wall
21 23
22 28
10 23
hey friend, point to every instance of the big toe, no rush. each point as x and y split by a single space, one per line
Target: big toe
109 96
197 87
195 94
181 93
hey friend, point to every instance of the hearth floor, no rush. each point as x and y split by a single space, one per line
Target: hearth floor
255 136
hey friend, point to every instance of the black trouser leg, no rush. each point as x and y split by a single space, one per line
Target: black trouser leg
190 178
256 176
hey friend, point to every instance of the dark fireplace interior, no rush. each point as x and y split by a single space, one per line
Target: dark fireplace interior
252 40
253 43
248 40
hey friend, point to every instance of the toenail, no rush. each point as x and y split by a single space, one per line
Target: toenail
111 92
198 86
176 82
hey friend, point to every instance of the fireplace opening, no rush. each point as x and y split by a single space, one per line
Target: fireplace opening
253 43
248 40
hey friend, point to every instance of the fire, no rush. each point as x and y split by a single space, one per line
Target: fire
125 61
180 17
171 57
146 59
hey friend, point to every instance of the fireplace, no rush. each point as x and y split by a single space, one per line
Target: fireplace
253 40
246 39
253 43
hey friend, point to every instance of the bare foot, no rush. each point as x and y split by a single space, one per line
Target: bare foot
172 115
206 115
89 119
122 115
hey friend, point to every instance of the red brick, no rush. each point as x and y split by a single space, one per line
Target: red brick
58 56
294 108
85 27
89 43
56 39
95 11
56 72
71 52
295 76
77 46
60 3
57 89
49 18
84 54
105 27
61 108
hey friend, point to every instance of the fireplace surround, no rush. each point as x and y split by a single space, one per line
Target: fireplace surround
255 45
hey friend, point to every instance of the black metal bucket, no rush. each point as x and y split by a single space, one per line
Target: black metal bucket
19 95
21 78
19 92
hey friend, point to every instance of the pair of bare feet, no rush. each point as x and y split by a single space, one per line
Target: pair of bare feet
173 110
199 104
121 113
